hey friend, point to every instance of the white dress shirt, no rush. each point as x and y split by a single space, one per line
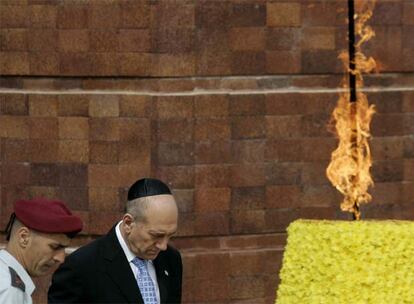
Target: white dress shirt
8 292
130 256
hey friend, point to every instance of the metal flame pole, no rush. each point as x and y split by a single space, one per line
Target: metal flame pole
351 39
352 76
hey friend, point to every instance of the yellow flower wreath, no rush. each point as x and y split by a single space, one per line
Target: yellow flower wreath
348 262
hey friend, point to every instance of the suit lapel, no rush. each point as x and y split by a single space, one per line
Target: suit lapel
162 277
119 270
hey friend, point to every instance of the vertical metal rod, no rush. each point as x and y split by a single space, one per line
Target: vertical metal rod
351 39
356 215
352 80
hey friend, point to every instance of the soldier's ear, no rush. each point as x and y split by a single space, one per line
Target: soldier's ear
24 236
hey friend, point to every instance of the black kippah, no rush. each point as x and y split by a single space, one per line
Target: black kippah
147 187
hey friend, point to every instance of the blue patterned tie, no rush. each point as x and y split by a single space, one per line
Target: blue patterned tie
145 283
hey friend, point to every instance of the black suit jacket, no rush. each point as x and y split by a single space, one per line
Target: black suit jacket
100 273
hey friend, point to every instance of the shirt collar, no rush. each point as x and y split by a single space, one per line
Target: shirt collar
128 253
13 263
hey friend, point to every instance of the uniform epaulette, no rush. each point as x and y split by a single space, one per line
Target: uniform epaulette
16 281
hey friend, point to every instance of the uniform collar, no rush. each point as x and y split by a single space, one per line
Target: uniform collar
13 263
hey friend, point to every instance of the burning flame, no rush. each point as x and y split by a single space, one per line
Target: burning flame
350 163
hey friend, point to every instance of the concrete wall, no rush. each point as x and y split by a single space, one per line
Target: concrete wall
227 101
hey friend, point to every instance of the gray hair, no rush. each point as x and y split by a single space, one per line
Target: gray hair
137 208
17 224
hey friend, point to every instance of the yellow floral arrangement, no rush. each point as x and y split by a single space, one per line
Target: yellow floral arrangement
355 262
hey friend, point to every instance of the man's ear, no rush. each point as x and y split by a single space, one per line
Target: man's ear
128 222
24 237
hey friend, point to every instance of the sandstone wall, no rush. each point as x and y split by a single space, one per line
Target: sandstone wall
227 101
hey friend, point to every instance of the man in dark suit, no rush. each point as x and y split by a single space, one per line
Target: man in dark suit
133 263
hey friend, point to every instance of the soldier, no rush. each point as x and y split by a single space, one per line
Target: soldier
38 232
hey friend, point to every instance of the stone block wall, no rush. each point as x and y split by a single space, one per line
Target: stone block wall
168 38
227 101
188 37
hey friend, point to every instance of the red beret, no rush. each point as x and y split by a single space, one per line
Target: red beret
47 216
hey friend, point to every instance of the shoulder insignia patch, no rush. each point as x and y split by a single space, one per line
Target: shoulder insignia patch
16 281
